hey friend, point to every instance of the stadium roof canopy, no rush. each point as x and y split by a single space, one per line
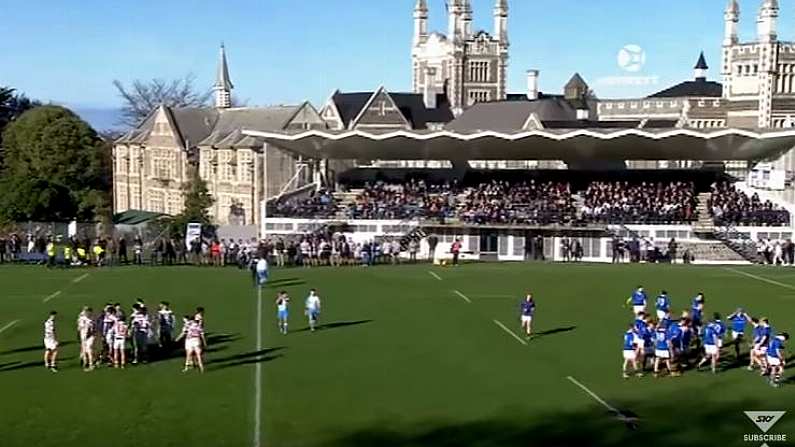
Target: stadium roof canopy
548 144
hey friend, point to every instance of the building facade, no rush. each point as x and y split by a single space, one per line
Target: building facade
152 163
468 66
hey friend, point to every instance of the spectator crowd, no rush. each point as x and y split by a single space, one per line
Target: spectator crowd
730 206
644 203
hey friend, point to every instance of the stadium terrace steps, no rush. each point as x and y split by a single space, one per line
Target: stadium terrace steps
705 223
714 251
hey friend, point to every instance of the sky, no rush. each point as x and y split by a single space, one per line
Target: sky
288 51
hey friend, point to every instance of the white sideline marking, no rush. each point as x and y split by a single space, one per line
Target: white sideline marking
8 326
80 278
435 275
518 338
462 296
51 296
759 278
258 374
620 416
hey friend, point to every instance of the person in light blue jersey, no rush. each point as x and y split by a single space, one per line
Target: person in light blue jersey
775 358
663 305
711 351
738 321
630 352
282 303
313 309
662 351
638 300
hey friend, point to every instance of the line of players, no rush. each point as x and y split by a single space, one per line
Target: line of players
673 343
311 310
115 333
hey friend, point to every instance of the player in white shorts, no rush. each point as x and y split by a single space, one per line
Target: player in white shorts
312 309
630 352
193 332
86 327
527 310
120 333
108 323
50 343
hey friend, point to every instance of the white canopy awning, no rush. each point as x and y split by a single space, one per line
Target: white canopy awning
571 145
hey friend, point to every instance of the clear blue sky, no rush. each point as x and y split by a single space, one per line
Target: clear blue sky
285 51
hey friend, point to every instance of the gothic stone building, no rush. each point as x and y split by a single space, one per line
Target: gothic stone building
468 66
151 162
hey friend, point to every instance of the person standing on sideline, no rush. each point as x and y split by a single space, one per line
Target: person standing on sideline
456 250
50 343
527 311
313 309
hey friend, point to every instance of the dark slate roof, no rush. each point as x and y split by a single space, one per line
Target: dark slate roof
411 105
512 115
194 124
576 81
699 88
251 118
222 79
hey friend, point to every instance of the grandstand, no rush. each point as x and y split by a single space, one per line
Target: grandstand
501 214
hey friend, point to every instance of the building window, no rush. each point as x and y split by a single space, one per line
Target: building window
478 96
227 166
157 202
162 164
479 71
175 203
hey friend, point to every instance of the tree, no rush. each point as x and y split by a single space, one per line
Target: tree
12 106
56 168
196 205
144 96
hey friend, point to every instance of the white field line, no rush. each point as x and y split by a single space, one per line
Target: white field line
759 278
435 275
80 278
51 296
258 375
8 326
620 416
466 298
512 334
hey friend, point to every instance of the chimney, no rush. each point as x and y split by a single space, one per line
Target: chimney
429 88
532 85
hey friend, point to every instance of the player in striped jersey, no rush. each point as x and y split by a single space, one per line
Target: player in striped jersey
86 327
50 343
193 332
120 334
106 329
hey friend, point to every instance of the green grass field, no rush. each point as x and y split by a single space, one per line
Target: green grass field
404 360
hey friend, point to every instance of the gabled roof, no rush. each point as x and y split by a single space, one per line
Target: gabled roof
513 115
193 124
699 88
251 118
411 105
577 82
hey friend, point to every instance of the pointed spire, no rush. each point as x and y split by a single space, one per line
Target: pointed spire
501 20
222 75
701 68
733 7
223 85
767 21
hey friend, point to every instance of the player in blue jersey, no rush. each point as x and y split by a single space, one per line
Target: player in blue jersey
662 304
720 329
711 350
674 333
766 335
662 350
775 358
738 320
638 300
527 310
686 326
648 344
756 340
282 303
697 312
666 319
630 352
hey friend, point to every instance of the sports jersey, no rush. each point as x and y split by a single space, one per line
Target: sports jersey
120 330
165 319
666 322
313 303
281 304
661 340
696 309
194 330
720 328
648 337
775 347
710 336
663 303
49 329
738 321
638 298
629 340
528 308
262 266
674 333
85 326
758 333
640 326
108 322
141 323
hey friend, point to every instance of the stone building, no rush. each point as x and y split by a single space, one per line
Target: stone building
151 162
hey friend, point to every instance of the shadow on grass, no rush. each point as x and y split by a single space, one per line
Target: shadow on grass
35 348
215 343
287 282
335 325
554 331
247 358
708 423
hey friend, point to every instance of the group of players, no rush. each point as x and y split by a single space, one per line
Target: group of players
674 343
106 336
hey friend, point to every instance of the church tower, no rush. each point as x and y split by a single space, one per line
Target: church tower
768 59
420 22
501 21
223 85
